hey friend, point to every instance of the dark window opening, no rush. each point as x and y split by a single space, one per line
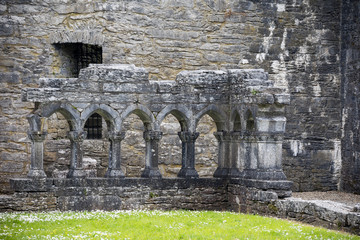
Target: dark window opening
75 56
93 127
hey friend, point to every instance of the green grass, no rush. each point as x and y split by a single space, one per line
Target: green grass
156 225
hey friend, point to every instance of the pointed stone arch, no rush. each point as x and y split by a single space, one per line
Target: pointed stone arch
181 113
71 114
142 112
112 117
217 114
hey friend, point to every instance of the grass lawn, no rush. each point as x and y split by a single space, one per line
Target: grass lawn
156 225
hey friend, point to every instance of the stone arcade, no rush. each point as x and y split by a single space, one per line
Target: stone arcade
247 109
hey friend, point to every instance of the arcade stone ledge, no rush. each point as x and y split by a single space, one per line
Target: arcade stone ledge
103 83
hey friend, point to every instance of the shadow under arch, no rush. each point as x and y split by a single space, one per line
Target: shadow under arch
249 120
112 117
46 110
218 115
142 112
236 121
181 113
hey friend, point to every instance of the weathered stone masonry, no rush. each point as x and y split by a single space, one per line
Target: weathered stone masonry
308 48
251 148
247 109
297 42
350 69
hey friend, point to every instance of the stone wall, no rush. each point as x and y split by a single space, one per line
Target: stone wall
116 194
297 42
322 213
350 69
170 194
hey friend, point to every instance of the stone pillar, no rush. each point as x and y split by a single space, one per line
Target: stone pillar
37 154
249 154
152 154
227 154
269 147
188 154
76 161
235 154
223 155
114 169
269 135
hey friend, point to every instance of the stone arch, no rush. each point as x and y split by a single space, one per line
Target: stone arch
36 122
38 135
181 113
71 114
111 116
249 120
236 120
218 115
142 112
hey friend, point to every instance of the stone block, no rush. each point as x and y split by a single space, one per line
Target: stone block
31 185
6 30
115 73
202 78
11 167
87 203
275 124
7 77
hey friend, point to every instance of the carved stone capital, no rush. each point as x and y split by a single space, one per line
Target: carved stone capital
36 136
76 136
116 136
152 135
236 136
188 136
222 136
271 137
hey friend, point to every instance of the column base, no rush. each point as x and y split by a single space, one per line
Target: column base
188 173
262 174
235 173
114 173
227 173
76 173
221 172
36 173
151 173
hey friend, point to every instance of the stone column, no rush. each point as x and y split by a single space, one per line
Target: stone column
188 154
152 154
37 154
249 153
269 134
76 161
269 147
114 169
224 154
235 154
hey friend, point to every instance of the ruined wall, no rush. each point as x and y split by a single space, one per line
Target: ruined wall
116 194
322 213
312 159
297 42
350 69
169 194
